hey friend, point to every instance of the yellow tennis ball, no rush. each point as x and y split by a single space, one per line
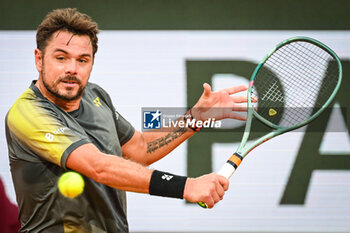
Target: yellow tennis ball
71 184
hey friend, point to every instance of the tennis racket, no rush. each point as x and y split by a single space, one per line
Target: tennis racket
293 85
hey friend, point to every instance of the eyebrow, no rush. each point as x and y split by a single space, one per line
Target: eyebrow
65 52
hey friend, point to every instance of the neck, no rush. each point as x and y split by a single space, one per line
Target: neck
66 105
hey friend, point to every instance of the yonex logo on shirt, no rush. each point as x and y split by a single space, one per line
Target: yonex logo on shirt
97 102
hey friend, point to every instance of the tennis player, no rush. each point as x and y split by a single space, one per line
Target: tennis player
63 122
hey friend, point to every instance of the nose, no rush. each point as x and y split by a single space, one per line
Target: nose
71 67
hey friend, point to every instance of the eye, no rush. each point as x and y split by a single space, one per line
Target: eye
60 58
82 60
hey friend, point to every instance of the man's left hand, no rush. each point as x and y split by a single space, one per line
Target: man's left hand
220 104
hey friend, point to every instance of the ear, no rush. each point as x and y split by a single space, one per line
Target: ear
38 59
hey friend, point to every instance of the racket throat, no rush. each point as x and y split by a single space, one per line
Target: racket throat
230 166
235 160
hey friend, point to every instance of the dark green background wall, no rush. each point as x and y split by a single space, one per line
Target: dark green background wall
188 14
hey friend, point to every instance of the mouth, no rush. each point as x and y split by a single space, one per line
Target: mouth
69 83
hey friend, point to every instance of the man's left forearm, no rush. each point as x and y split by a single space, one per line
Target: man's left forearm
149 147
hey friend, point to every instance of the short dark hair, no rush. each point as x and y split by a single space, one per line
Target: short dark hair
67 19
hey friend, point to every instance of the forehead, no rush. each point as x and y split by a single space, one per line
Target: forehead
70 42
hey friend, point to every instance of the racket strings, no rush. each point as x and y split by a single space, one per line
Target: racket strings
329 82
313 63
313 92
305 65
275 65
294 82
300 96
317 78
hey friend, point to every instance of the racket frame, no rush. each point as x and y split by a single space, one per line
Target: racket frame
234 161
242 150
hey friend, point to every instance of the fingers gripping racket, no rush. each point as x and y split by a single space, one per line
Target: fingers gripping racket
293 85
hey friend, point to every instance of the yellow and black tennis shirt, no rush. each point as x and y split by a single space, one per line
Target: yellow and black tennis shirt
40 137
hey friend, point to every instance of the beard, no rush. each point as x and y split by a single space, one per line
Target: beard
67 93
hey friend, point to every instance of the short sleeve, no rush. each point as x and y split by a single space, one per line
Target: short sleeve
42 131
124 129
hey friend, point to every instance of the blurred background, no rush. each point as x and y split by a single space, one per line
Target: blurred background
158 54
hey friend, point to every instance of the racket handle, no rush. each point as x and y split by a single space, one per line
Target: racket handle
227 170
230 166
